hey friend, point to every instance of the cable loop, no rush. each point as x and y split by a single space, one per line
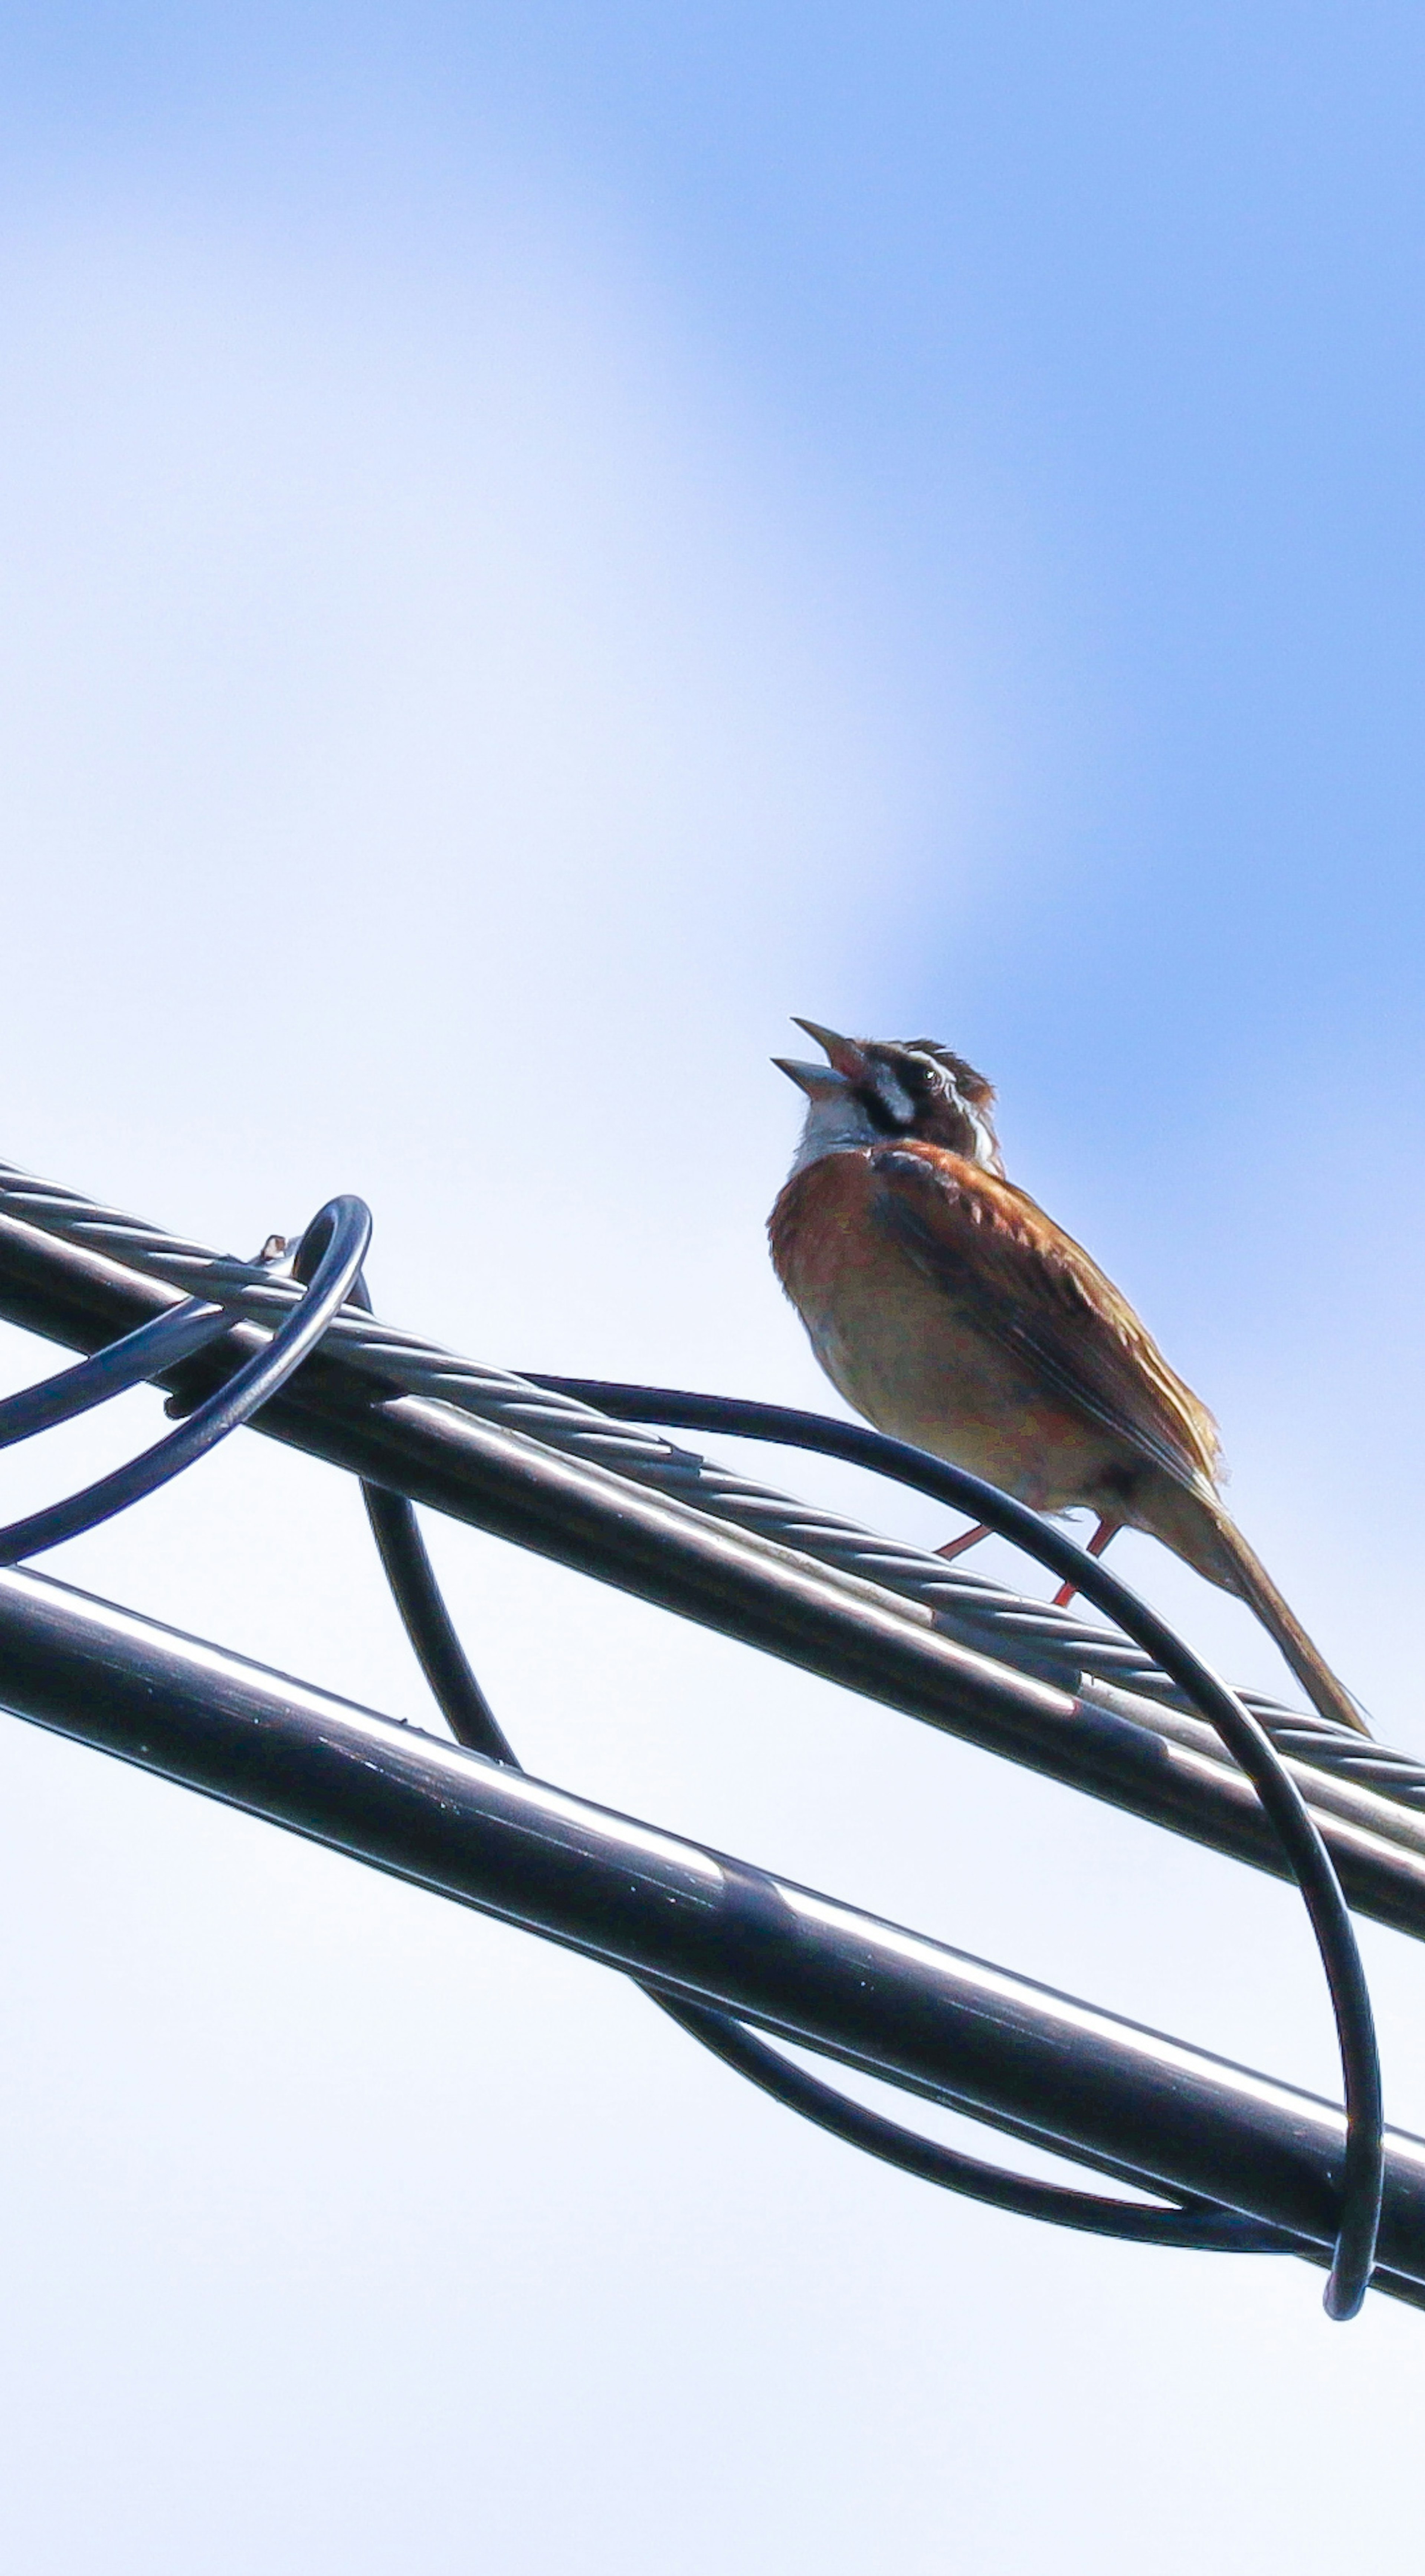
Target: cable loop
1197 2225
1363 2170
338 1237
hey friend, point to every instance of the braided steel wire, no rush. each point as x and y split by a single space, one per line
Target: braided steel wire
1035 1637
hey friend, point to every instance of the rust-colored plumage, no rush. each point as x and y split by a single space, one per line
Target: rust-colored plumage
952 1312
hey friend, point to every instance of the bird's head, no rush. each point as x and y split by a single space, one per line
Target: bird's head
872 1090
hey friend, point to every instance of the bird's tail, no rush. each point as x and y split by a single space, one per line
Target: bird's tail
1201 1529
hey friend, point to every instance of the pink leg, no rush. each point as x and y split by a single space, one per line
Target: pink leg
1104 1532
971 1538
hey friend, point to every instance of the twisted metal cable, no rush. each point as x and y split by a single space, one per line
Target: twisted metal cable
1050 1644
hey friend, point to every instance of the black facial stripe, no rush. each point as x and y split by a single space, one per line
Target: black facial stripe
876 1110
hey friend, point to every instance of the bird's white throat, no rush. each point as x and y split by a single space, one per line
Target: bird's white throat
836 1124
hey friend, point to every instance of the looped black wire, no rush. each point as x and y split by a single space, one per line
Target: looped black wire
1363 2166
1199 2225
156 1346
338 1237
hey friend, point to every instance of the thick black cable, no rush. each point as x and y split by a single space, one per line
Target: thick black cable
338 1236
1363 2167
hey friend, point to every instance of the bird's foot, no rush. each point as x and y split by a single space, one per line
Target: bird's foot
1104 1532
968 1538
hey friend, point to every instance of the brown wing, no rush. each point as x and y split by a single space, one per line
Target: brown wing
1025 1283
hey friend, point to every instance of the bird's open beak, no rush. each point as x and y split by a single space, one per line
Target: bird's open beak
848 1058
818 1081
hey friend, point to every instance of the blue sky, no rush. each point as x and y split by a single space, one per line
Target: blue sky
1102 331
1104 328
536 544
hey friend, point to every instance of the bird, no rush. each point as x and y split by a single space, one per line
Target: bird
951 1312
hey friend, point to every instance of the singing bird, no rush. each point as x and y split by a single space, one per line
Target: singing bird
952 1312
